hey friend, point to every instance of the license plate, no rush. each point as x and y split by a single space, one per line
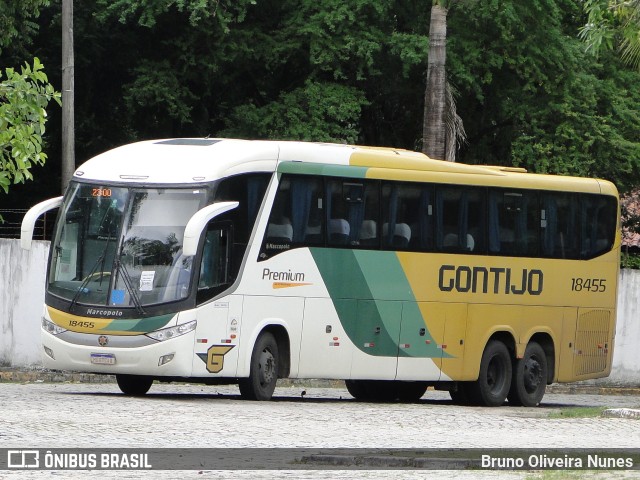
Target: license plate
103 358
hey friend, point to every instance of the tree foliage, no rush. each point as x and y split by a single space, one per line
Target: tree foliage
613 24
23 99
18 22
349 71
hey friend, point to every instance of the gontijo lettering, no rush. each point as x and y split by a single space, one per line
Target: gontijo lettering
494 279
289 276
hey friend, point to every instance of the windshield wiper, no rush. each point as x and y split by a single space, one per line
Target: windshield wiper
99 261
83 286
126 279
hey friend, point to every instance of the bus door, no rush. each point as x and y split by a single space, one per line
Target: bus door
219 321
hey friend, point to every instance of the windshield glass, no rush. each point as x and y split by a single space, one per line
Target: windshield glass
123 247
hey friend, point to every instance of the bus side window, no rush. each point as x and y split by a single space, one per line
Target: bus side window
296 215
423 232
460 220
559 223
305 210
402 216
352 213
215 266
597 225
513 224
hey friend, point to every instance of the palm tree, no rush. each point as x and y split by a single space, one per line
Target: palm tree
614 23
442 128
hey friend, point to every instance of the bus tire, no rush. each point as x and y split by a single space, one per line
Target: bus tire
134 385
263 371
529 380
381 390
357 389
410 392
494 379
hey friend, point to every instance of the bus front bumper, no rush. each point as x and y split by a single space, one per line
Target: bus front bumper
170 358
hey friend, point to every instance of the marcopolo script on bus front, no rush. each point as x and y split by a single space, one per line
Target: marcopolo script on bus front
499 280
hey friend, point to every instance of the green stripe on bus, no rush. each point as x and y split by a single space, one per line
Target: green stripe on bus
323 169
373 298
140 325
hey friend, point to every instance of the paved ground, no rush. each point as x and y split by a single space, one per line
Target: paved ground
79 415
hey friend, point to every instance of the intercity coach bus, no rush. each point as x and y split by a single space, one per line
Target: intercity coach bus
235 261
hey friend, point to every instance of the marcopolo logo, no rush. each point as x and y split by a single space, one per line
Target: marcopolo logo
100 312
497 280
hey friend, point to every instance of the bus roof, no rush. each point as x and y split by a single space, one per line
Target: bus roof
198 160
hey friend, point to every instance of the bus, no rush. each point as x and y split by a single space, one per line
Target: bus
224 261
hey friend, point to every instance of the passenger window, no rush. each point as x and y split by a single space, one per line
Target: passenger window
460 220
352 213
597 224
296 215
513 222
559 225
405 216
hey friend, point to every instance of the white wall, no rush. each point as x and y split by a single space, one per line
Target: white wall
626 360
22 277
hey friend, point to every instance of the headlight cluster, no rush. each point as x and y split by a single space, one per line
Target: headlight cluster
51 327
172 332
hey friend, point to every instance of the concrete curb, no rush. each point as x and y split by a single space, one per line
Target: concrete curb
622 413
593 389
41 375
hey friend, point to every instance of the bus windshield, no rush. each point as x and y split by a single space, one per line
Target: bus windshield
121 246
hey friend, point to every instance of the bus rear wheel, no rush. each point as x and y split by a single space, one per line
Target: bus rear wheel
494 379
529 380
134 385
263 371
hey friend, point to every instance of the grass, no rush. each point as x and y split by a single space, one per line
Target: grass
579 412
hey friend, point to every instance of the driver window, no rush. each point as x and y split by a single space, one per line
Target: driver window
215 266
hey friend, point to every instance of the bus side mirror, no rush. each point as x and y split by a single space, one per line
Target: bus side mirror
30 218
199 221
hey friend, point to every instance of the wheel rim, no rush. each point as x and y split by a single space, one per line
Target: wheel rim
267 366
532 375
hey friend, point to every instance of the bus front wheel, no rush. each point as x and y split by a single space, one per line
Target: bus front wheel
529 380
134 385
494 379
263 371
357 389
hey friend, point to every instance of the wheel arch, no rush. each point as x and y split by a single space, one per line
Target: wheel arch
505 337
279 329
281 335
472 362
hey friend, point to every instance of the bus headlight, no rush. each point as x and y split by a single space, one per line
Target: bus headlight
51 327
172 332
